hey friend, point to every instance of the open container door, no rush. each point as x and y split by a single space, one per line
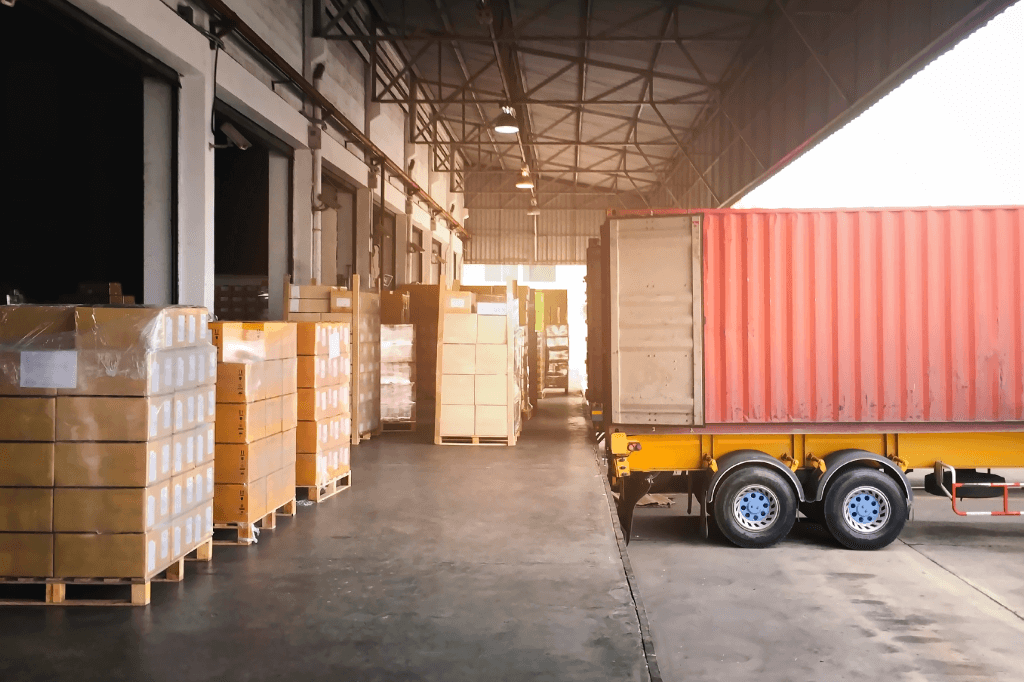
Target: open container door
656 294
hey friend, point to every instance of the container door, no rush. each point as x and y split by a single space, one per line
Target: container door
655 286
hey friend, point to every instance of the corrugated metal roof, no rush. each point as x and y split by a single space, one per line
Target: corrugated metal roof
507 236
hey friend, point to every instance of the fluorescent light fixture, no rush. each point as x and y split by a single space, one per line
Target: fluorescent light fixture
506 122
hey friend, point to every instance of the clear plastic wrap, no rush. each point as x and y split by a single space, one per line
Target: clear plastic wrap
398 373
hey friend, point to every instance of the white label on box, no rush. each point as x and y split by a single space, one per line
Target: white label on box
164 545
49 369
181 328
201 373
165 410
211 404
152 467
209 437
168 332
177 540
179 459
150 511
456 302
156 379
342 301
192 369
179 415
324 434
201 407
191 409
190 491
197 526
154 420
334 344
165 501
191 329
177 499
188 532
165 461
180 376
203 329
190 450
151 556
293 306
200 449
322 368
168 372
209 483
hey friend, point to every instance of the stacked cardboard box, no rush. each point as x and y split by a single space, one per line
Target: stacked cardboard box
366 396
325 423
106 459
397 373
257 417
424 300
314 303
478 390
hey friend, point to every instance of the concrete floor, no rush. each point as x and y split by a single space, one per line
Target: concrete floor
945 602
441 563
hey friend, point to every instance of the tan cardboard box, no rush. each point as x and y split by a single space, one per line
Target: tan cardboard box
35 383
141 329
288 450
26 510
320 338
458 358
241 422
307 436
27 419
274 373
205 440
204 478
458 301
236 343
26 555
314 372
460 328
340 302
457 420
342 317
111 510
305 317
112 555
26 464
275 416
184 496
492 359
242 462
491 389
189 409
289 376
491 421
458 389
240 503
38 326
311 469
491 329
114 465
114 419
315 291
183 451
127 373
240 382
313 403
281 487
289 411
309 305
275 452
280 336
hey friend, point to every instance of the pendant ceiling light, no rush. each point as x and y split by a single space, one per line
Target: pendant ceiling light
506 122
524 181
533 207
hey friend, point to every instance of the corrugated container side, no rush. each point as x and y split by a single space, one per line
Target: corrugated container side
869 316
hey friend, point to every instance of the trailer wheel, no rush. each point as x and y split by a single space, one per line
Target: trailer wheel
865 509
755 507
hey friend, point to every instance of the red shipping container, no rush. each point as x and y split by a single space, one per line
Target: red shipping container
873 315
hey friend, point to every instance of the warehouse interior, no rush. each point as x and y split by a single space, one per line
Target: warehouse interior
362 199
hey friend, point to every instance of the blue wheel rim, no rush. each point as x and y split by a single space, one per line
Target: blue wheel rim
866 509
755 508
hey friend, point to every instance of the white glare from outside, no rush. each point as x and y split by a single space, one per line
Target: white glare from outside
950 136
568 277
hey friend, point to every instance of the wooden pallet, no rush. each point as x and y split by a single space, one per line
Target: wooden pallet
95 591
398 426
246 533
474 440
328 490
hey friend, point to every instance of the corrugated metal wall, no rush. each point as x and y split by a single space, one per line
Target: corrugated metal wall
506 235
873 315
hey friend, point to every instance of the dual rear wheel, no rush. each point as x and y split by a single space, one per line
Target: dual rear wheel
863 508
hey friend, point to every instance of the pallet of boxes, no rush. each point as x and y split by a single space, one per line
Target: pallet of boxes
397 363
317 303
257 417
106 450
323 466
478 386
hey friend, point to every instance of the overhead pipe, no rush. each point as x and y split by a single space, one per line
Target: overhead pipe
350 129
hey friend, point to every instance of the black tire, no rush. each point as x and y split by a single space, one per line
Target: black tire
749 485
877 509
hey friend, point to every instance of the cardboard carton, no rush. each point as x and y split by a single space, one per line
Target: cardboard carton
109 555
313 291
111 510
240 503
492 329
309 305
491 421
26 464
242 462
27 419
130 465
289 411
311 469
26 510
340 301
275 416
240 382
491 389
241 422
457 420
458 389
458 301
113 419
492 359
459 358
237 343
281 487
26 555
460 328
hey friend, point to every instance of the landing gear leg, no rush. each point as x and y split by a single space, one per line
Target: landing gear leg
631 489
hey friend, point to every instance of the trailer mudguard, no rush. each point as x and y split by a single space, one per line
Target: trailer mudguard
840 459
738 458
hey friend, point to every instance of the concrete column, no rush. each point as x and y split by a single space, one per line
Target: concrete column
302 216
195 191
363 226
158 191
403 236
329 246
279 217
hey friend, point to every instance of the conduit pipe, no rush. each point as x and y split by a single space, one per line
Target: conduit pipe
228 16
